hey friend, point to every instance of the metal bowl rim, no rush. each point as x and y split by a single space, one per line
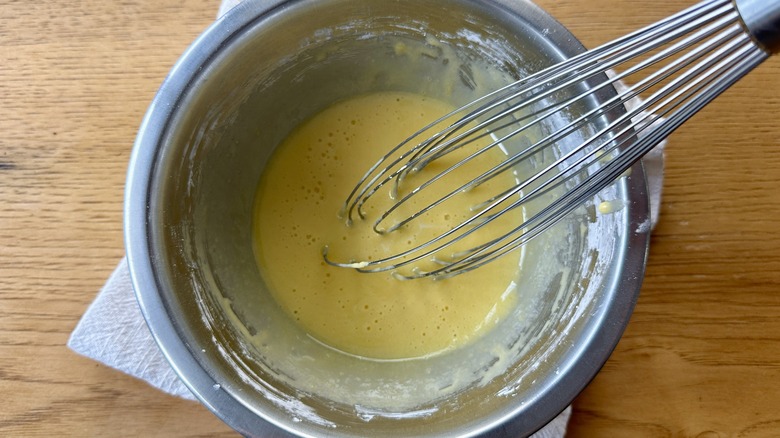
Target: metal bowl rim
146 151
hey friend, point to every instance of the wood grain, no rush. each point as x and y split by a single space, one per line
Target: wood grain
701 356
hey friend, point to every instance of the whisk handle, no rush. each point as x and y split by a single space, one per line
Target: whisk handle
762 21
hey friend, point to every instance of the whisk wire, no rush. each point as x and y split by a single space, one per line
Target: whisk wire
540 115
461 140
687 60
673 25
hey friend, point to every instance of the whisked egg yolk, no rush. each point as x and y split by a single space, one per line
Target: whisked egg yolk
374 315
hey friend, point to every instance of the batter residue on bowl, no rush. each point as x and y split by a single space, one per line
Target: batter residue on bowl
370 315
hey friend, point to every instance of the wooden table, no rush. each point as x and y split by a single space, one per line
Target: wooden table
701 356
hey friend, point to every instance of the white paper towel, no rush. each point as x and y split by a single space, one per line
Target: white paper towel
113 330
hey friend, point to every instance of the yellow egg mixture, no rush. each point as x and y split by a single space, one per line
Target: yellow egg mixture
372 315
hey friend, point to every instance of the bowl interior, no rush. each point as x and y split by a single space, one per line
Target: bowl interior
233 98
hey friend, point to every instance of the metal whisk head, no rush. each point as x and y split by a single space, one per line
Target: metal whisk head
677 65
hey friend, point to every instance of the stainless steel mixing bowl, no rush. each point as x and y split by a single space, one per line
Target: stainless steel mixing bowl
228 102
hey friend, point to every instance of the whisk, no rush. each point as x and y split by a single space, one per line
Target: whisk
683 63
